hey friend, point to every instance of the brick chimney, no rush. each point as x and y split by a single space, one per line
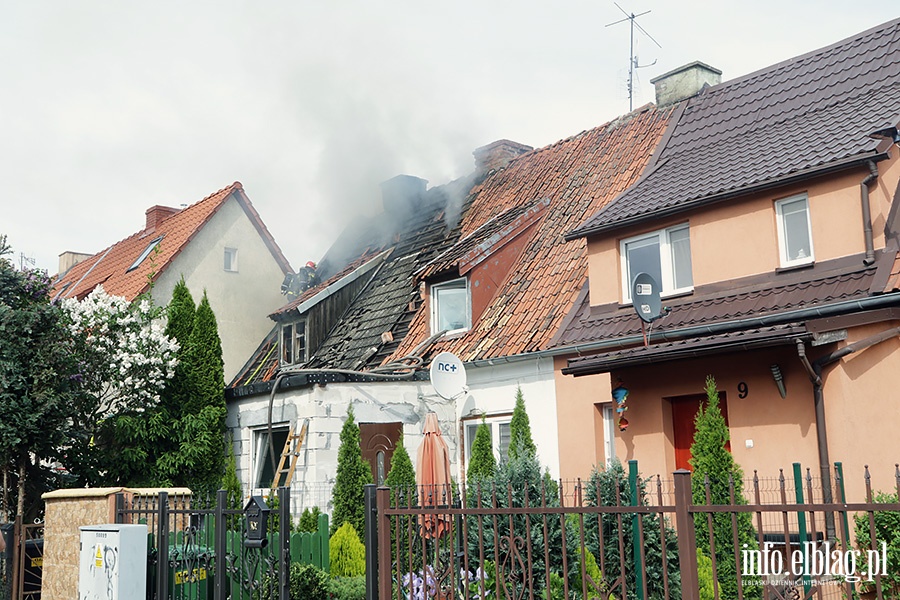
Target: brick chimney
156 214
402 193
497 155
684 82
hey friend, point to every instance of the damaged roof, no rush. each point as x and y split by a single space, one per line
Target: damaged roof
793 120
552 188
126 267
377 319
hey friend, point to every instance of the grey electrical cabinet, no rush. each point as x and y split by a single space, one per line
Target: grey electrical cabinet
113 562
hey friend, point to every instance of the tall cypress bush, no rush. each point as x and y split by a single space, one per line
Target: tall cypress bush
402 475
352 474
520 429
711 459
483 465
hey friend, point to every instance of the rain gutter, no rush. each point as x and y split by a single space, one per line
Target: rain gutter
814 370
867 212
777 182
829 310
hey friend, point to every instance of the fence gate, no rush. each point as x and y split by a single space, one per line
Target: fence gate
27 561
198 550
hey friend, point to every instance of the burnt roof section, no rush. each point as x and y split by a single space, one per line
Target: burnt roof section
578 175
486 239
378 317
793 120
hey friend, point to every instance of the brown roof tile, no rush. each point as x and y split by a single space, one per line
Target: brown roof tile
577 175
790 120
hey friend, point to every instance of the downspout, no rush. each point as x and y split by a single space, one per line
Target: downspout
814 370
867 212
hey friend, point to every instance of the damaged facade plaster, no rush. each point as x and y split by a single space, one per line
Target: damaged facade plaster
326 408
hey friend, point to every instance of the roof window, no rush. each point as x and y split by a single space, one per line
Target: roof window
150 248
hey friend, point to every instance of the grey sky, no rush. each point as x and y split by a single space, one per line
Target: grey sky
107 108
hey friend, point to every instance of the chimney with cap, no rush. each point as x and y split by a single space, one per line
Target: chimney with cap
401 194
157 214
497 155
684 82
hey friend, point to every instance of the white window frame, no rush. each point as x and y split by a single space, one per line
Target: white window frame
259 438
454 283
609 432
296 358
495 423
782 234
230 266
665 260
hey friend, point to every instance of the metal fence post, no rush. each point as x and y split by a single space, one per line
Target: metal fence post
370 537
120 508
635 529
162 547
382 503
801 522
687 542
284 550
219 545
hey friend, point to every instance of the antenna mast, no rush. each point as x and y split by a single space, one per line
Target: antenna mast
632 60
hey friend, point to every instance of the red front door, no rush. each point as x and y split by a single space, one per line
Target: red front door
684 411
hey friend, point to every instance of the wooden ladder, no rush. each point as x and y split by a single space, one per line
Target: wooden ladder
291 450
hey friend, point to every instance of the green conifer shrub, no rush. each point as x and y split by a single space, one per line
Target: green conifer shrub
483 464
520 429
346 552
352 474
711 459
309 520
402 475
601 491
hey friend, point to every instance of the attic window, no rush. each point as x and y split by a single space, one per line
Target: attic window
293 343
231 264
451 308
150 248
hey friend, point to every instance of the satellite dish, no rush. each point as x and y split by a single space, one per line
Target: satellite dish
448 375
645 297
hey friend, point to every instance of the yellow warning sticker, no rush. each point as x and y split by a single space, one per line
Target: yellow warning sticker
37 561
98 558
182 577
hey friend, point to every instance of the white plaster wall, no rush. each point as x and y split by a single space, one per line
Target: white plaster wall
326 408
242 300
492 389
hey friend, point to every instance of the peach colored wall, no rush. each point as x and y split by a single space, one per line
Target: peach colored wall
782 429
738 238
862 411
579 421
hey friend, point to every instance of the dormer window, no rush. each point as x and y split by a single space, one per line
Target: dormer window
451 308
664 254
150 248
293 343
794 231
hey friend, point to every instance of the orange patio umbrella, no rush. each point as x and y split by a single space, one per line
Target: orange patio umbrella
433 477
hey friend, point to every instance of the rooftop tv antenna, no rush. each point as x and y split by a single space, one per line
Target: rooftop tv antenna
632 59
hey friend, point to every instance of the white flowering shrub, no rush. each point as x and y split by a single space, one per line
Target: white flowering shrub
124 356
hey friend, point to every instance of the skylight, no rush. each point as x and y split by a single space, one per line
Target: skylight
150 247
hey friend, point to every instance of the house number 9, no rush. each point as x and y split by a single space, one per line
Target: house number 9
743 390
